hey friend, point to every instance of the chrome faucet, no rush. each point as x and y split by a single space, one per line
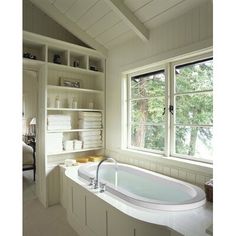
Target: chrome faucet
97 171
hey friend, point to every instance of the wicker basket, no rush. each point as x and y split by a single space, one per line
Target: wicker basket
209 190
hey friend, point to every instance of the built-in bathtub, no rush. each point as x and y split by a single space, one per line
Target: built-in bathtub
145 188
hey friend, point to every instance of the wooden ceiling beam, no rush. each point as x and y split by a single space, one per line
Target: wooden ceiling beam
129 18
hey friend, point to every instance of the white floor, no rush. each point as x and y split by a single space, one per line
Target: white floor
40 221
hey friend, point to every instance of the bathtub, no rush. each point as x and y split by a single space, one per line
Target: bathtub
145 188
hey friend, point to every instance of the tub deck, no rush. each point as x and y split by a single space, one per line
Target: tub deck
193 222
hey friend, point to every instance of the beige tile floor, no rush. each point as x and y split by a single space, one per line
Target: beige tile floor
40 221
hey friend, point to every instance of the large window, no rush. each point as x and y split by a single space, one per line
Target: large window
173 115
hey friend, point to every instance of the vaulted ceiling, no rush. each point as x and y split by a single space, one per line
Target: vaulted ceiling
102 24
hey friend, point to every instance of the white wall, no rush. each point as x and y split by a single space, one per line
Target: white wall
189 33
36 21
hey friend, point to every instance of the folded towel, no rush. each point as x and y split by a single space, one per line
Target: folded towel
92 137
90 125
91 146
54 142
82 122
58 117
90 114
68 145
89 133
91 118
58 127
77 144
95 142
59 122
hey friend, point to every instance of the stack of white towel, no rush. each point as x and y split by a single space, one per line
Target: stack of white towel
91 139
90 120
54 142
59 122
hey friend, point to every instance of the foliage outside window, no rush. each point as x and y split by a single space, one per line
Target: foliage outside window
147 101
191 121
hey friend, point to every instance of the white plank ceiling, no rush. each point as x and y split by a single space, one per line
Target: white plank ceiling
103 24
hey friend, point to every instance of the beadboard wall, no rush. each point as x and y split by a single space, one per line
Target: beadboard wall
192 32
36 21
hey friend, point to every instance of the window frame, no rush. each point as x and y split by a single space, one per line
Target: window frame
128 104
169 70
173 65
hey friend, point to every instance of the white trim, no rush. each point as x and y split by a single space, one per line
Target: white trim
128 102
170 94
174 94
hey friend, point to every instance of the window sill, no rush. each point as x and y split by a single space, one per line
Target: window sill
205 168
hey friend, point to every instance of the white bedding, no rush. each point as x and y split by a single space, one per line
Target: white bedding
27 154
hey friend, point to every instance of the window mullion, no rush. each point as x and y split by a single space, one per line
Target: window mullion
129 112
167 113
172 102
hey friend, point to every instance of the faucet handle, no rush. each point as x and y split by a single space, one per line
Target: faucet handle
102 187
92 180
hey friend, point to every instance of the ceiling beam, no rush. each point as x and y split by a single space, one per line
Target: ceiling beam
72 27
129 18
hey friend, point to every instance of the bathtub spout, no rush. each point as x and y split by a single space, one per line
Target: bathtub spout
97 171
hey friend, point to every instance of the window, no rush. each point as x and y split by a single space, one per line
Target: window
147 103
193 113
177 121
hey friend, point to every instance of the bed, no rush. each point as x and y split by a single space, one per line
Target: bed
28 155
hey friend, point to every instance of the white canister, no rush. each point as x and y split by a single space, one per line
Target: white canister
74 103
90 105
57 102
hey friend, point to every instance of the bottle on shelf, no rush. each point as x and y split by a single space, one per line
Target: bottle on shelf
57 102
91 105
74 103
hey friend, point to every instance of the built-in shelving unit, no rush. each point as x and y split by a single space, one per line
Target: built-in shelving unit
71 81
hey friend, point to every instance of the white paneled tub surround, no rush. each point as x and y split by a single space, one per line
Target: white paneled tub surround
93 213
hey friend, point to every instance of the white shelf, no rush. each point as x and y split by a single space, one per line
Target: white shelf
30 63
55 87
73 130
73 69
92 90
74 151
